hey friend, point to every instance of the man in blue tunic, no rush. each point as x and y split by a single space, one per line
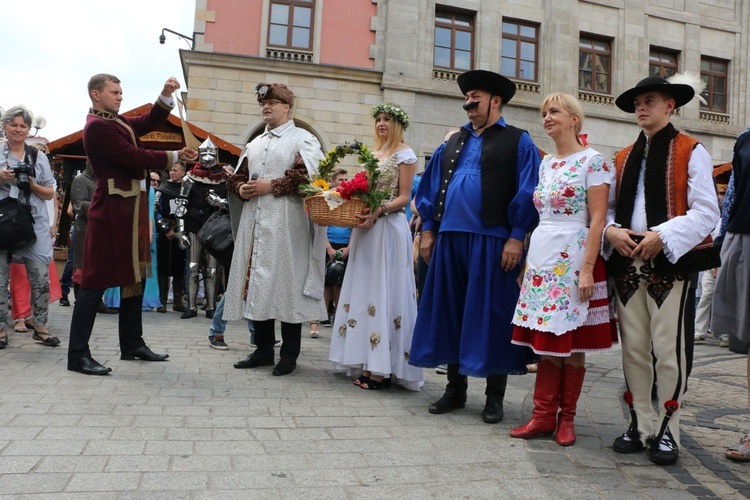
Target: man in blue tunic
475 199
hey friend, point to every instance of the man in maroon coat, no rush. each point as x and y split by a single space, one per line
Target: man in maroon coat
116 251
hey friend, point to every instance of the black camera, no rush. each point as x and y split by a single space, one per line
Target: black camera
24 172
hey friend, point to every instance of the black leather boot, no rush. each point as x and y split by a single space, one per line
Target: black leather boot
495 392
178 289
163 293
455 393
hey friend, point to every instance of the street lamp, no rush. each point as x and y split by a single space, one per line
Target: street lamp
163 38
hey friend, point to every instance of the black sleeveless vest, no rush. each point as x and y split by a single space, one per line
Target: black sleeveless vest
498 170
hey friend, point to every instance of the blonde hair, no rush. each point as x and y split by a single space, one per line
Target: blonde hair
395 134
569 104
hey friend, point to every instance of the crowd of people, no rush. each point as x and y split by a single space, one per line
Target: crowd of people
520 254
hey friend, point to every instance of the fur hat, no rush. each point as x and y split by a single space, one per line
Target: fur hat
480 79
680 92
279 91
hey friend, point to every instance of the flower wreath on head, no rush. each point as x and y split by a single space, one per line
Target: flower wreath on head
362 186
393 111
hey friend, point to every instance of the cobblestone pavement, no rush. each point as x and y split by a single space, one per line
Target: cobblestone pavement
194 427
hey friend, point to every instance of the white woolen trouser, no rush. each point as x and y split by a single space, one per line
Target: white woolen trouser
645 326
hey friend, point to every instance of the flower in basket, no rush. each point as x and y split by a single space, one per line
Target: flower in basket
363 186
357 186
322 184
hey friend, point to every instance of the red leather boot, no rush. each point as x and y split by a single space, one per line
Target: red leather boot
546 400
572 381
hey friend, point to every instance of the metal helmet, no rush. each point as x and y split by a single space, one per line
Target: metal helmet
335 272
209 153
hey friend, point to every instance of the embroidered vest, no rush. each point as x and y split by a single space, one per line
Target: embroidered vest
498 171
665 185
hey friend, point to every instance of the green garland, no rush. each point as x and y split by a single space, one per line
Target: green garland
374 197
393 111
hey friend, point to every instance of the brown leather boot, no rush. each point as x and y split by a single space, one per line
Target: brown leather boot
546 400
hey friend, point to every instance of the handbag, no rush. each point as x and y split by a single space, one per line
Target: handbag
216 232
16 224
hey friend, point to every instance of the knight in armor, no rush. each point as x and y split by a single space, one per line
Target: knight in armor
194 211
170 255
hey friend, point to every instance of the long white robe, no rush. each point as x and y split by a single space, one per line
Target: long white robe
286 275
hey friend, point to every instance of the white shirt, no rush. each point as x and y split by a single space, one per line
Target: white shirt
684 232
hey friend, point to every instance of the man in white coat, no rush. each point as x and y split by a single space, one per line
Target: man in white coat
278 262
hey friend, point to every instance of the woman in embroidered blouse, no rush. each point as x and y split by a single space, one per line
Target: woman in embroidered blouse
562 310
377 306
16 123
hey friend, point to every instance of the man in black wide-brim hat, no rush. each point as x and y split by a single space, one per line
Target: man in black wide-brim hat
475 199
665 207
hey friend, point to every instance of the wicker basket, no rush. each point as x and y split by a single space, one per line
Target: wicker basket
60 253
345 215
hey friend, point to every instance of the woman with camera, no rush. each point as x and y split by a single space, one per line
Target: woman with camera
25 174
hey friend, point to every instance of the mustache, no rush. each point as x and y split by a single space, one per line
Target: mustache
471 105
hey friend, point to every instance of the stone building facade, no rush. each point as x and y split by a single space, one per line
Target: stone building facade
343 56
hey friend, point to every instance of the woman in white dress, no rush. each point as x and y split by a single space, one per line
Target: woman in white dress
377 307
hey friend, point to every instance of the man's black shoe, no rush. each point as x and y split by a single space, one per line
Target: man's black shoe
210 313
662 457
254 360
625 444
64 301
451 400
144 354
88 366
493 411
665 452
189 313
285 367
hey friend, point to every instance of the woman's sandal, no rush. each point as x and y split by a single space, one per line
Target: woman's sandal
376 385
363 379
20 326
49 340
741 451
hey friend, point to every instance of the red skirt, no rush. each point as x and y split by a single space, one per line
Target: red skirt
597 334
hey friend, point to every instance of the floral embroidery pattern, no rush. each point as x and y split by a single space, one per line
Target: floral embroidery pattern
549 298
388 179
657 286
352 323
627 284
397 322
374 340
557 193
371 310
546 291
406 356
342 330
346 308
